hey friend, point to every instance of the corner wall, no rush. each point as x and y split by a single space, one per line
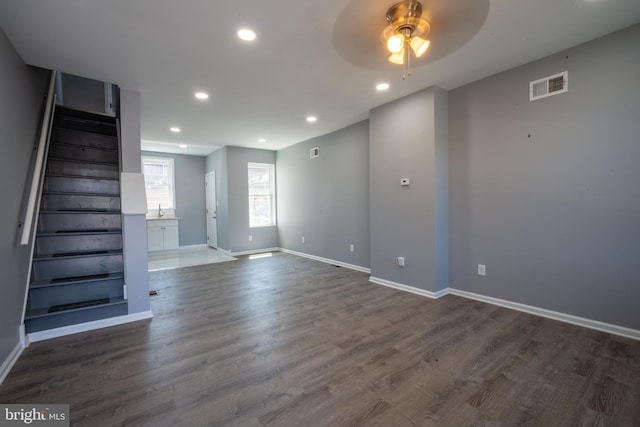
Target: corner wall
326 199
21 107
230 164
545 193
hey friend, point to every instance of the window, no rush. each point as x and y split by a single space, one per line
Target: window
262 209
158 180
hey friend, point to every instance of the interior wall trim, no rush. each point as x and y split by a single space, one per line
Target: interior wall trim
555 315
251 252
327 260
11 360
411 289
88 326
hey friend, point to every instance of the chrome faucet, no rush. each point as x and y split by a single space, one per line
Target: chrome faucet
160 213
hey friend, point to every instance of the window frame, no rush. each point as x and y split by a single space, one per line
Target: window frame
271 194
169 162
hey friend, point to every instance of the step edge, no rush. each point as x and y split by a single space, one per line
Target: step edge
112 301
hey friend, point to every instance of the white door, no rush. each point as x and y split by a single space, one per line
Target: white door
212 209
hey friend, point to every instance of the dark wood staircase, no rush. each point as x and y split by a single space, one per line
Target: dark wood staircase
77 269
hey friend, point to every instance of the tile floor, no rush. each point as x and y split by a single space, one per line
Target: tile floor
167 260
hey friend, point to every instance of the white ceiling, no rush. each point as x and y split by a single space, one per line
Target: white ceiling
298 65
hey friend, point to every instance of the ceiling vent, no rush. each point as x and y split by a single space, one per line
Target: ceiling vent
552 85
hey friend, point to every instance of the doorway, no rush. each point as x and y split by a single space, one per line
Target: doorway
212 209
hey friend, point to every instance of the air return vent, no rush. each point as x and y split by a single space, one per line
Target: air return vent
552 85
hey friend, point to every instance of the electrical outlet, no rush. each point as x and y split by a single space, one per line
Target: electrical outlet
250 238
352 248
482 270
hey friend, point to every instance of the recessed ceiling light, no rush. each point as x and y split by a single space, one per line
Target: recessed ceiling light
246 34
262 140
182 145
202 95
174 129
382 86
312 119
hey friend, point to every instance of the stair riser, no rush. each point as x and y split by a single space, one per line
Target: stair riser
81 185
60 223
85 125
69 202
77 292
75 317
85 154
84 139
75 267
49 245
60 167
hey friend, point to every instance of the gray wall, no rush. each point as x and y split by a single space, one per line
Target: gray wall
546 193
134 230
21 108
326 199
233 199
190 196
82 93
408 138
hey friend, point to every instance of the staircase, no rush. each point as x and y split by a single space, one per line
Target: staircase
77 270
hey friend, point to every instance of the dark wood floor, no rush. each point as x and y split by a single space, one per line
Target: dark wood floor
293 342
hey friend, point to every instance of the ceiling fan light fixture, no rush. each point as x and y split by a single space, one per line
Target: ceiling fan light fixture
395 43
397 58
405 28
419 45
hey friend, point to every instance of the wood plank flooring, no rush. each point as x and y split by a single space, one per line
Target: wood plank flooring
287 341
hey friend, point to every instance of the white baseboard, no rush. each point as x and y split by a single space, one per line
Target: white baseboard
189 247
88 326
251 252
11 360
327 260
555 315
406 288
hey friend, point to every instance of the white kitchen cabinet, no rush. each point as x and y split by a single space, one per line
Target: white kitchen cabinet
162 234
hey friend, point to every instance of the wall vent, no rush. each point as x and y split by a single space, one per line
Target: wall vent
548 86
314 152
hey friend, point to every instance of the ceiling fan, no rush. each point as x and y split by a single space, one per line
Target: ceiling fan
419 31
406 33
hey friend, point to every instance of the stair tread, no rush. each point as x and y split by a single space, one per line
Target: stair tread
44 312
73 193
39 284
76 211
79 254
67 144
66 111
80 233
95 178
89 162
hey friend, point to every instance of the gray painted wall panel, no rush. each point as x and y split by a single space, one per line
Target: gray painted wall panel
190 196
238 198
405 142
134 231
82 93
21 108
326 199
230 164
545 193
